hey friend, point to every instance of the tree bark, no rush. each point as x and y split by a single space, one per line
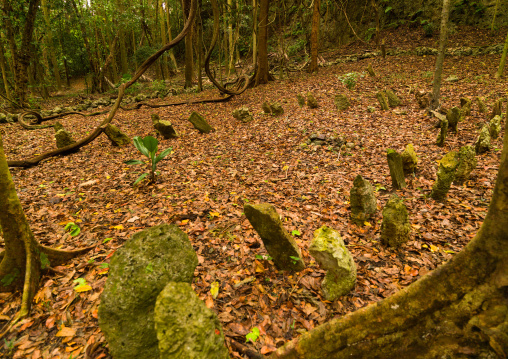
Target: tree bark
50 45
263 75
503 59
436 86
3 68
254 32
314 37
189 60
458 310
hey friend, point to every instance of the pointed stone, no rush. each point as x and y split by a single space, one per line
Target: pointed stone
117 137
383 102
199 123
497 109
393 100
242 114
445 175
465 108
63 138
266 107
301 99
363 201
409 159
453 117
481 105
279 244
165 128
57 126
395 228
370 70
311 100
276 109
483 142
396 169
185 327
495 126
442 133
341 102
330 252
467 163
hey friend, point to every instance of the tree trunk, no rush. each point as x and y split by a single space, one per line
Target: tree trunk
458 310
189 60
164 41
50 45
436 86
314 37
263 75
3 68
254 32
503 59
170 52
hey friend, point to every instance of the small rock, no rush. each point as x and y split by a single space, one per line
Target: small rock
445 175
483 142
165 128
453 117
63 138
383 102
117 137
342 102
395 228
393 100
301 99
311 100
199 123
242 114
363 201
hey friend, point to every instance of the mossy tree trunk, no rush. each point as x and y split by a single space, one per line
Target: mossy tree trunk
263 75
503 59
460 310
314 37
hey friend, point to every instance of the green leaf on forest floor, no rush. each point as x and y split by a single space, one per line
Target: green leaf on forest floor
253 335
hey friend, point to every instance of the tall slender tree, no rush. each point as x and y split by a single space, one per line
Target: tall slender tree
263 74
314 37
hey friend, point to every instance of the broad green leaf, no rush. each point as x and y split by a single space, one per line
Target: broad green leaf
163 154
253 335
75 231
134 162
140 178
150 143
295 232
106 240
138 142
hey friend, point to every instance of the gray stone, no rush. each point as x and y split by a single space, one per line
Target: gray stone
185 327
445 175
199 123
495 126
330 252
279 244
409 159
63 138
393 100
311 100
482 144
341 102
383 102
453 117
395 228
139 271
242 114
266 107
165 128
467 163
363 201
117 137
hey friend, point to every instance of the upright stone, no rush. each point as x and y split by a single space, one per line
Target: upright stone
278 242
497 109
465 108
445 175
63 138
185 327
199 123
481 105
370 70
301 99
57 126
483 142
276 109
311 100
117 137
139 271
363 201
329 250
341 102
242 114
165 128
396 169
393 99
467 163
383 102
395 228
442 133
495 126
266 107
409 159
453 117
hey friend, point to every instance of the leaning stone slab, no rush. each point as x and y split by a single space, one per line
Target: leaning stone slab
467 163
185 327
341 102
396 169
199 123
409 159
383 102
278 242
117 137
393 99
453 117
139 271
242 114
311 100
482 144
445 175
165 128
395 228
329 250
495 126
363 201
63 138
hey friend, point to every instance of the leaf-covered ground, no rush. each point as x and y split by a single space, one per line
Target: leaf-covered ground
207 179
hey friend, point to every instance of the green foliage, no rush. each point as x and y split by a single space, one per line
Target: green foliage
295 232
263 257
297 46
143 53
44 260
148 147
295 259
8 279
369 33
349 79
468 6
72 228
253 335
158 85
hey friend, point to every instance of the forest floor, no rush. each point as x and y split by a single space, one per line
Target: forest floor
207 179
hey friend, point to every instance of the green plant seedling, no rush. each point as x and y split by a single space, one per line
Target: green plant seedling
253 335
72 228
148 147
295 232
294 259
263 257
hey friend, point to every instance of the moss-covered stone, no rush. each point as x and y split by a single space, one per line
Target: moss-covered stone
495 126
138 272
482 144
453 117
465 108
266 107
393 99
363 201
330 252
278 242
301 99
165 128
383 102
409 159
440 141
276 109
311 100
342 102
370 70
445 175
395 228
480 101
467 163
396 169
63 138
199 123
117 137
242 114
3 118
497 109
185 327
57 126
